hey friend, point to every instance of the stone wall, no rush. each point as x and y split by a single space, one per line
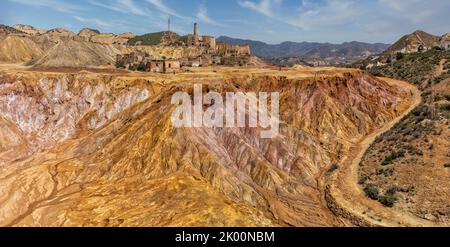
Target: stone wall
227 50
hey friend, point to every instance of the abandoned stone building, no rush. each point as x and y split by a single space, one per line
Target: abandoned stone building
163 66
212 53
445 42
132 61
143 62
208 43
227 50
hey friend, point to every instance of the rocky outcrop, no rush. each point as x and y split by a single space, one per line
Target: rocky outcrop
5 30
85 34
60 34
415 42
343 212
91 35
30 29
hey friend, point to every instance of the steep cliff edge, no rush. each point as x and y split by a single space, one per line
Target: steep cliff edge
100 149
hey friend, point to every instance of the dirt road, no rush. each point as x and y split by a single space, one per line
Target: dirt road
346 198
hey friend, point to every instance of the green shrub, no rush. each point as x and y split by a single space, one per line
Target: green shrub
372 192
362 179
387 200
445 107
438 98
447 97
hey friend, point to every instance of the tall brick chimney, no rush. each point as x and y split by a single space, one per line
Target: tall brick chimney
196 29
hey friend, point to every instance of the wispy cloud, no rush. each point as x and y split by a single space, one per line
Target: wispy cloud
94 21
53 4
310 14
158 4
203 16
330 13
420 10
122 6
265 7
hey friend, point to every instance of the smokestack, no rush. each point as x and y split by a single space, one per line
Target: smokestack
196 29
168 24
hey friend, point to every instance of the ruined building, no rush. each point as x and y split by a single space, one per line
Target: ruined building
206 42
227 50
143 62
163 66
133 61
445 42
212 53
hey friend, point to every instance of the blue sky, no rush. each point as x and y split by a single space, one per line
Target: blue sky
271 21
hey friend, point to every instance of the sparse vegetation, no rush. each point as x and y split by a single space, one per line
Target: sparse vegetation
414 67
147 39
410 142
392 157
388 199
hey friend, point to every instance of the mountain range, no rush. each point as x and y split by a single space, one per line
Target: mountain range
313 52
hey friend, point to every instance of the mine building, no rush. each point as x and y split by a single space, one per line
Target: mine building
227 50
209 53
132 61
445 42
163 66
197 40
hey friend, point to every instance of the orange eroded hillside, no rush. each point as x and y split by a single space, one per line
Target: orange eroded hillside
98 148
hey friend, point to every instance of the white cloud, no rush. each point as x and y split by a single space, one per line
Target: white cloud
158 4
94 21
202 15
374 18
264 7
122 6
415 11
332 13
310 14
56 5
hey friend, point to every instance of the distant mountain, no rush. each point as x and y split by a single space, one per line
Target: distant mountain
312 51
414 42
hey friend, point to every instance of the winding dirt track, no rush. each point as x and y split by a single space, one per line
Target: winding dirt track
346 198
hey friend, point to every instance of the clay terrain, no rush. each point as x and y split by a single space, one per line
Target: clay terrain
83 148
